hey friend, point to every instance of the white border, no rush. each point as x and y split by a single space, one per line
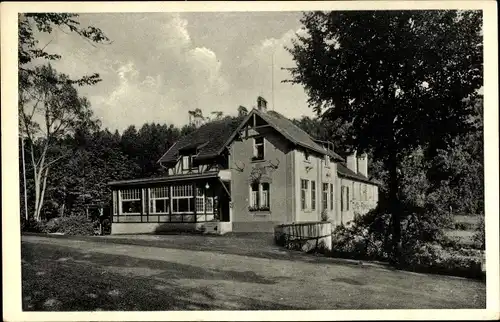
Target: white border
10 175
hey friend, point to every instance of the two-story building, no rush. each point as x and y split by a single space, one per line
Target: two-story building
245 174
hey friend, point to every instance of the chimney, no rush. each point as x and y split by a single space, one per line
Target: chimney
363 164
261 104
195 119
352 163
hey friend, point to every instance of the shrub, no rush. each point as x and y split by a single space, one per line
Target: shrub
72 225
434 258
479 237
368 237
355 242
32 226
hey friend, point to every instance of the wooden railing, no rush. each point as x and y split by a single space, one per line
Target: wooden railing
305 236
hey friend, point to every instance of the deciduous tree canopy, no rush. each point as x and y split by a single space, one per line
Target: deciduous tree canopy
400 79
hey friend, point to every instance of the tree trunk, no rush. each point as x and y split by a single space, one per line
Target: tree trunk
41 173
61 209
40 185
36 177
42 194
24 181
395 209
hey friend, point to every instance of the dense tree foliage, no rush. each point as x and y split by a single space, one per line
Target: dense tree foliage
49 109
94 158
400 79
49 104
30 51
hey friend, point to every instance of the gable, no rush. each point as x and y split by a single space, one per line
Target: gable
287 129
211 138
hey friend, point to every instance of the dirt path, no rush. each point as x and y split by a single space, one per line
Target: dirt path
61 273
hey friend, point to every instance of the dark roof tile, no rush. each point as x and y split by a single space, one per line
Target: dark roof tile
295 133
344 171
208 139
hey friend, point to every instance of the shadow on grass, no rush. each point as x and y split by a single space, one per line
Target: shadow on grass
261 245
258 245
56 278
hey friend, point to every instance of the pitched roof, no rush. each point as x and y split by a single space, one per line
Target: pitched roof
211 138
344 171
294 133
207 139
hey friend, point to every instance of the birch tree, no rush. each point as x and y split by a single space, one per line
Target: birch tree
49 109
49 106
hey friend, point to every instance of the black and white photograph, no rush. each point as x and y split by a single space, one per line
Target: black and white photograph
243 157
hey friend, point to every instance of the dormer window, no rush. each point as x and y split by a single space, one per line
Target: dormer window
258 148
187 162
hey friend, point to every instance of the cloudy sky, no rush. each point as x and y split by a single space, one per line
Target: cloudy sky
161 65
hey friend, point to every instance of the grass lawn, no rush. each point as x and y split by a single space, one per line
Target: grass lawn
463 237
218 273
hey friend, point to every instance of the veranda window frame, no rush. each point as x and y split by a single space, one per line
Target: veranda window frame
164 192
181 192
201 195
130 195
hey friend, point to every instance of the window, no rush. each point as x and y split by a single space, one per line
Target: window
325 196
307 156
331 196
327 161
209 205
313 195
181 199
204 203
131 201
254 196
365 195
348 200
200 204
187 162
259 196
159 202
264 201
345 198
303 193
258 148
342 198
